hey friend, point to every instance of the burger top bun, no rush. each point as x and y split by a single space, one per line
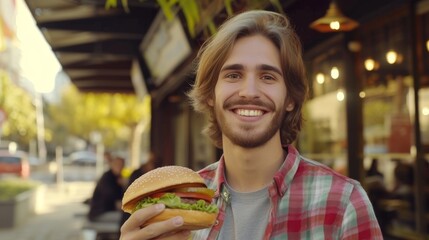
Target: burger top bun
159 180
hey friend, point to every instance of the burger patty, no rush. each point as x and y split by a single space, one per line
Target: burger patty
189 200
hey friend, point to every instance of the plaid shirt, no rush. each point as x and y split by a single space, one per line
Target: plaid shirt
309 201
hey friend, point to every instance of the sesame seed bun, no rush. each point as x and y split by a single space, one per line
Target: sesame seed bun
161 180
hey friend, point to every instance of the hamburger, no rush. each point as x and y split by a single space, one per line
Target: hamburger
182 191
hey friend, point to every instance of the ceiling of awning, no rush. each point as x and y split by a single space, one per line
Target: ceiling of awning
96 47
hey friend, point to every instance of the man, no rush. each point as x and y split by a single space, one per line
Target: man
251 84
105 204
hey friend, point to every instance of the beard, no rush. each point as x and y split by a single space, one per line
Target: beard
245 136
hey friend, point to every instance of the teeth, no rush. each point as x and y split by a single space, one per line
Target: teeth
249 113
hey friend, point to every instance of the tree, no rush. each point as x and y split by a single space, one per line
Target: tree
20 124
114 116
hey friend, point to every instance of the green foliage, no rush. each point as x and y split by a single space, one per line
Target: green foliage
20 125
192 10
228 7
192 14
166 7
10 188
114 116
114 4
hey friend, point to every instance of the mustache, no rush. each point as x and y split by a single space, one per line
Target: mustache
254 102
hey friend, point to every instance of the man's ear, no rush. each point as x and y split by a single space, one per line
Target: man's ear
290 107
210 102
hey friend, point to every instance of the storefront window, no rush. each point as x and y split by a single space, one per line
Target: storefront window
389 124
324 135
386 67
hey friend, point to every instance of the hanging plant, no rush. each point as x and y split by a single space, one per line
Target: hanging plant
114 4
192 10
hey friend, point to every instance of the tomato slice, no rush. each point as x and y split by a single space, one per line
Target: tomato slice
194 196
202 190
157 195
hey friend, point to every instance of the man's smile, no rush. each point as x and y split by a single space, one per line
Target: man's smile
249 112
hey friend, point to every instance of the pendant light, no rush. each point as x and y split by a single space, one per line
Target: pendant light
334 21
370 62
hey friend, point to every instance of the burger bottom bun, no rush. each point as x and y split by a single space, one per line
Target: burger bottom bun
193 219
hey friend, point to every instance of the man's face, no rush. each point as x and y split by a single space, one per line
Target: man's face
250 93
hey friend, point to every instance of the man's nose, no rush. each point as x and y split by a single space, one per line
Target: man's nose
249 87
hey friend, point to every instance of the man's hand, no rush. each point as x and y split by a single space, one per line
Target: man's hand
131 229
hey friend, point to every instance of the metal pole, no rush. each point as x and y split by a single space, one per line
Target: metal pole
60 169
418 155
354 113
40 122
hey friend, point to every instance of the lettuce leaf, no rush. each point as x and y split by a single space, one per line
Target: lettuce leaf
171 200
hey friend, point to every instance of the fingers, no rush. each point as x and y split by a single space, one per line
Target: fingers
180 235
142 215
131 230
163 230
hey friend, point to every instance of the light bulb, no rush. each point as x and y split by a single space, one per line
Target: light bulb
369 64
335 73
425 111
391 56
427 45
334 25
340 95
320 78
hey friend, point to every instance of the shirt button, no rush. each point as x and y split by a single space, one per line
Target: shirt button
226 196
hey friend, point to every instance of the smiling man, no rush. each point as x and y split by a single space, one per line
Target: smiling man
250 93
251 84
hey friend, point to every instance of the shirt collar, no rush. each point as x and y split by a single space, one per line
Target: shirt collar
282 178
286 173
220 177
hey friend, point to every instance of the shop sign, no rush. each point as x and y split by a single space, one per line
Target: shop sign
165 49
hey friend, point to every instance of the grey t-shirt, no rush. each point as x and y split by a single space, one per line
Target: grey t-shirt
246 215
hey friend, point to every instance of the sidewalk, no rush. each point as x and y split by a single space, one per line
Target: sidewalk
59 217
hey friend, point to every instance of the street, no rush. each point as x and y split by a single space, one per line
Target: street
60 213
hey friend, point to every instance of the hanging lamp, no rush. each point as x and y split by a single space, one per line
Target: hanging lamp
334 21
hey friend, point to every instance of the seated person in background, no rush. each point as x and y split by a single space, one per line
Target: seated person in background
375 185
373 169
377 192
142 169
105 203
404 183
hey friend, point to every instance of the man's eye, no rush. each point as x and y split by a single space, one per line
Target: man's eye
268 77
233 76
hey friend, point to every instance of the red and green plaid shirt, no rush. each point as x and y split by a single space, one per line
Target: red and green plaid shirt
309 201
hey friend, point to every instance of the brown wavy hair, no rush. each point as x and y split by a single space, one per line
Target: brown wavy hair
214 53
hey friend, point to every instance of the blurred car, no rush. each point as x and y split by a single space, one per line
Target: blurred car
14 163
82 158
34 161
